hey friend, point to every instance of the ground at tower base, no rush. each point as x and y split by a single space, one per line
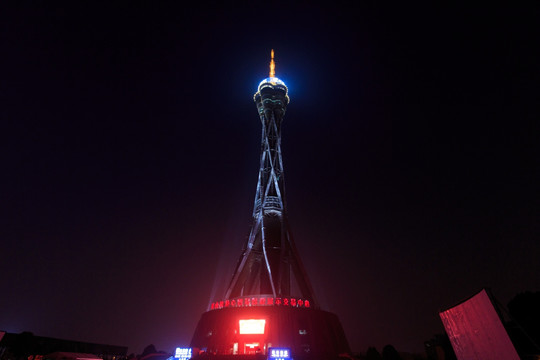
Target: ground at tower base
27 346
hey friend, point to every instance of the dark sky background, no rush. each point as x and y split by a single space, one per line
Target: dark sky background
129 147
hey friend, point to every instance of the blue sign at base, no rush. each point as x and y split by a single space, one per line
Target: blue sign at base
279 353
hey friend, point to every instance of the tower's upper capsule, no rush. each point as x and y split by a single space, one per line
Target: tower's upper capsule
272 80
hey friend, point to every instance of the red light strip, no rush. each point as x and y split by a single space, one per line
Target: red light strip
260 301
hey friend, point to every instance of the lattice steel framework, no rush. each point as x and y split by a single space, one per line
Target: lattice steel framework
269 263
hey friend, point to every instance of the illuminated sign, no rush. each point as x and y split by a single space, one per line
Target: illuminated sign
182 353
279 353
252 326
260 301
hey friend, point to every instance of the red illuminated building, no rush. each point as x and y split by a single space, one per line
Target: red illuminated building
269 302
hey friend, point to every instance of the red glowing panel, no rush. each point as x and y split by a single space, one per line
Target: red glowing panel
476 331
252 326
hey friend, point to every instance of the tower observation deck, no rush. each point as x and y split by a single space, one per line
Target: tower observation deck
270 288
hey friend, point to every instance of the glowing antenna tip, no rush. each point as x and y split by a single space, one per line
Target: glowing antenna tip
272 65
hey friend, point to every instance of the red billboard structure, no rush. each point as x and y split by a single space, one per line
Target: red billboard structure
476 330
269 302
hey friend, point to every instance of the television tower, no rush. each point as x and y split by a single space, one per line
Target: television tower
269 263
269 307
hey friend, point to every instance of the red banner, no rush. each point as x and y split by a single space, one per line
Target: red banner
260 301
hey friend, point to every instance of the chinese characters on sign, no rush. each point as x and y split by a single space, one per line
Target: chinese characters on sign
260 301
182 353
279 353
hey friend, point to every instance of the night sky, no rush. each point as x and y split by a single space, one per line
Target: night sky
129 147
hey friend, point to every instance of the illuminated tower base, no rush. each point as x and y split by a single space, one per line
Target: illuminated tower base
269 307
308 333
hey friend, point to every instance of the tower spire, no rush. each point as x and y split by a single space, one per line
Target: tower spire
272 65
